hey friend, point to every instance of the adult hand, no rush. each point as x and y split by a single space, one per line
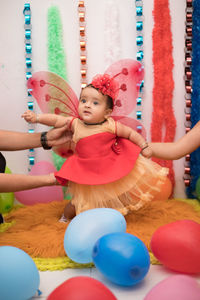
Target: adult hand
59 136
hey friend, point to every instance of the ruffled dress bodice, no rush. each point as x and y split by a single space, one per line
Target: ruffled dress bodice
99 158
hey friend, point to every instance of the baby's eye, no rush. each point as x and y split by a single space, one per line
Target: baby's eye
83 100
96 102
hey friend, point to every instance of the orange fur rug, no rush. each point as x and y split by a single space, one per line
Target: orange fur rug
38 232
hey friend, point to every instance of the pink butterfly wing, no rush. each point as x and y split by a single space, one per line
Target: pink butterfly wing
54 95
129 74
130 122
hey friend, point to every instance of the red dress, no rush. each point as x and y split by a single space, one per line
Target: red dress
108 171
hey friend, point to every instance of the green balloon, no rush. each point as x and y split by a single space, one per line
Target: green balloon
197 188
8 171
6 202
6 199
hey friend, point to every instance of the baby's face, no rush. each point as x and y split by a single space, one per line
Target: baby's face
92 106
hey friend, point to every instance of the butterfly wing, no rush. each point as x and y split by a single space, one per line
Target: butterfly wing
129 75
130 122
54 95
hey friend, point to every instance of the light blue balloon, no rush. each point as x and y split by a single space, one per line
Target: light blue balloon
122 258
19 276
87 227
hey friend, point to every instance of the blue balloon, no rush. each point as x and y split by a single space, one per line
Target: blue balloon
122 258
87 227
19 276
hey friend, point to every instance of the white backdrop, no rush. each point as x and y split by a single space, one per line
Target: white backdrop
12 60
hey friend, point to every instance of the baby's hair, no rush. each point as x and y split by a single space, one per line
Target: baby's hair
109 99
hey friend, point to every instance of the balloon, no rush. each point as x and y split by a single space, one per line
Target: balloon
87 227
19 276
6 199
43 194
177 246
122 258
197 188
175 287
165 192
6 202
81 288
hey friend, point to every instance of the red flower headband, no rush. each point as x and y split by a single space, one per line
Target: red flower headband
106 84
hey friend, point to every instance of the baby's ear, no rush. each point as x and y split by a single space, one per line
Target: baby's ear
108 113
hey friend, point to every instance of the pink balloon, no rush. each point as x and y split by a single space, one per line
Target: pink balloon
43 194
175 287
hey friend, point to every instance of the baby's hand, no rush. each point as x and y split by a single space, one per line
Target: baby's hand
147 152
30 116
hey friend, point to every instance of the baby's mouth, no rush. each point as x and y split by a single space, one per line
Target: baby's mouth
87 112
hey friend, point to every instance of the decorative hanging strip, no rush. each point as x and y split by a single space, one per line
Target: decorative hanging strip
112 48
83 52
163 124
56 57
139 56
188 83
195 96
28 62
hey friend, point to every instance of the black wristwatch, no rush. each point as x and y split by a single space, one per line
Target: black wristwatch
43 140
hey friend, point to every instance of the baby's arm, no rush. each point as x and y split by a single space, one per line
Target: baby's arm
135 137
46 119
185 145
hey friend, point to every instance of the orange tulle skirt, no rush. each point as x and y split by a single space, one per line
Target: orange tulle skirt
126 194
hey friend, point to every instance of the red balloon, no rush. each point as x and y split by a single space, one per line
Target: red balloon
177 246
81 288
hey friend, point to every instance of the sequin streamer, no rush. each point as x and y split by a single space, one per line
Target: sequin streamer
28 70
188 83
139 56
195 93
163 124
56 57
83 51
112 47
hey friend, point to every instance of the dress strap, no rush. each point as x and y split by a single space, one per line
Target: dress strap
115 127
70 124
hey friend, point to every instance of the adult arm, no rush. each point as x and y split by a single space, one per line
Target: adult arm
185 145
20 182
11 140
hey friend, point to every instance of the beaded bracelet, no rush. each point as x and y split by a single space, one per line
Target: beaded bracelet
144 146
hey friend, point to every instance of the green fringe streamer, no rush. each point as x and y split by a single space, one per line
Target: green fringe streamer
56 59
